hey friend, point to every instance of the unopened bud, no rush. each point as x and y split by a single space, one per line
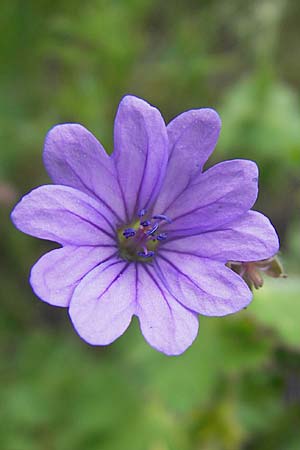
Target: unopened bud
251 272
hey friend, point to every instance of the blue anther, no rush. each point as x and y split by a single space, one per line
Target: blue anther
162 217
146 255
145 223
128 232
142 212
153 229
162 236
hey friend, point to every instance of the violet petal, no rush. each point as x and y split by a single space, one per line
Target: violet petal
252 237
64 215
104 302
74 157
216 197
140 139
205 286
192 138
55 275
166 325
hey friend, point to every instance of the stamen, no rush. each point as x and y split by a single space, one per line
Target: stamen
146 255
145 223
153 229
141 240
129 232
162 217
142 212
162 236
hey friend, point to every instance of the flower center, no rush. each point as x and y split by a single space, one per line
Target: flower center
139 240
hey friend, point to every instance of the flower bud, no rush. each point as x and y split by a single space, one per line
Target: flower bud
251 272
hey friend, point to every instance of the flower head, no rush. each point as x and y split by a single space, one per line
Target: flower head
144 232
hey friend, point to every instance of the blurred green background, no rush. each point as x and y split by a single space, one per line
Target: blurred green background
238 386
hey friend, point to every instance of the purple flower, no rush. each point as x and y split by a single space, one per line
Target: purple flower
144 232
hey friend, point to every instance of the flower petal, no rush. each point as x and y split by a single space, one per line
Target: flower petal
104 302
192 138
140 152
218 196
205 286
55 275
74 157
64 215
249 238
166 325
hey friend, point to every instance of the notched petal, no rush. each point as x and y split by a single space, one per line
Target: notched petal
104 302
74 157
205 286
192 138
64 215
249 238
216 197
140 154
55 275
166 325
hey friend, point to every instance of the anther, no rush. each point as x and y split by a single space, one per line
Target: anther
129 232
162 236
146 255
142 212
162 217
145 223
153 229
